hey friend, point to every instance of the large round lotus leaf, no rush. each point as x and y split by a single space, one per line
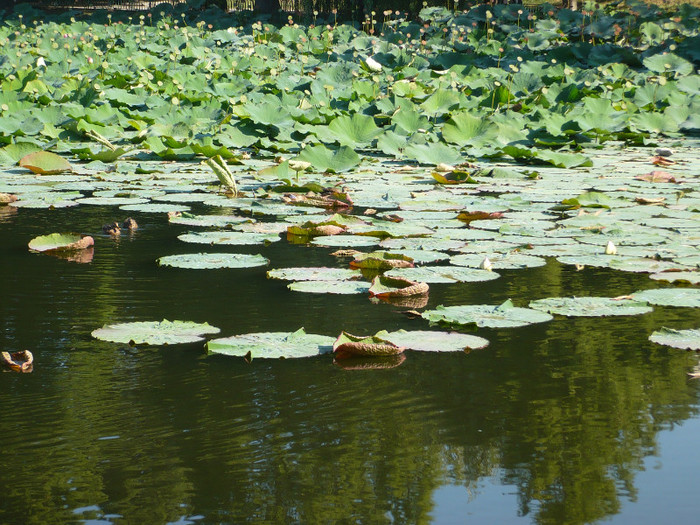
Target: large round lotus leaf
155 332
154 207
189 219
344 241
235 238
206 261
508 261
45 163
184 197
484 315
330 287
314 274
443 274
272 345
422 256
688 297
685 339
113 201
487 247
420 243
60 241
692 277
429 341
591 306
53 203
261 227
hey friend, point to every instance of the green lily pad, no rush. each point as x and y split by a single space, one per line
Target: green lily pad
684 339
233 238
219 221
155 332
591 306
443 274
45 163
687 297
499 261
348 345
60 241
272 345
692 277
330 287
483 315
345 241
154 208
206 261
314 274
433 341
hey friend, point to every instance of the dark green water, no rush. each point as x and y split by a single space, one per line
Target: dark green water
571 421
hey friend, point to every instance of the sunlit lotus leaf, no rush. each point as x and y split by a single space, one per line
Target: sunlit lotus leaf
483 315
348 345
155 332
428 244
381 261
60 241
433 341
190 219
499 261
206 261
345 241
433 154
668 62
686 297
45 163
261 227
314 274
443 274
330 287
385 286
390 229
692 277
228 237
113 201
454 177
101 154
591 306
272 345
183 197
325 159
685 339
423 256
151 207
12 153
354 131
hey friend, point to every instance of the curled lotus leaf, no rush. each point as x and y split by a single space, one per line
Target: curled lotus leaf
381 261
318 273
207 261
45 163
684 339
348 345
155 332
272 345
505 315
687 297
591 306
434 341
383 286
60 242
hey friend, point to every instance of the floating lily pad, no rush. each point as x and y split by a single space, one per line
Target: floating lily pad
684 339
272 345
330 287
499 261
60 241
381 261
219 221
348 345
232 238
151 207
443 274
155 332
205 261
692 277
345 241
433 341
45 163
483 315
688 297
314 274
591 306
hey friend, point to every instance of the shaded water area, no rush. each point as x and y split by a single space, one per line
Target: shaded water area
571 421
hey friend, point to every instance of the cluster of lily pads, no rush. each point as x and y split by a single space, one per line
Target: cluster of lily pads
408 143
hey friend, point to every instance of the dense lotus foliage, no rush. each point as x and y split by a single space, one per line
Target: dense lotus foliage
495 81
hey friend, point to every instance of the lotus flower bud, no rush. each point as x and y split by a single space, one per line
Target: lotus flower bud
486 264
372 64
610 249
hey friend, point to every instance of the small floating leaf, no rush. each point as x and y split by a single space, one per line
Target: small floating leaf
314 274
685 339
348 345
591 306
272 345
688 297
155 332
234 238
443 274
205 261
432 341
60 241
45 163
483 315
330 287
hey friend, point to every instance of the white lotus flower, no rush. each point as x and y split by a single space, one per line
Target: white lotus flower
40 62
610 249
486 264
372 64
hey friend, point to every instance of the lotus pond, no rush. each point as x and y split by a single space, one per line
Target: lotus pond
194 217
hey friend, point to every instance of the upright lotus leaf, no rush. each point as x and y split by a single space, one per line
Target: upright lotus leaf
381 261
685 297
684 339
207 261
348 345
45 163
591 306
505 315
155 332
433 341
354 131
272 345
60 242
388 287
325 159
223 173
467 127
435 154
454 177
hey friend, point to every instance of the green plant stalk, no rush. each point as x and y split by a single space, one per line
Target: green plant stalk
219 167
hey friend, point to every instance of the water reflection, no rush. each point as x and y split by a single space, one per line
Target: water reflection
562 413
